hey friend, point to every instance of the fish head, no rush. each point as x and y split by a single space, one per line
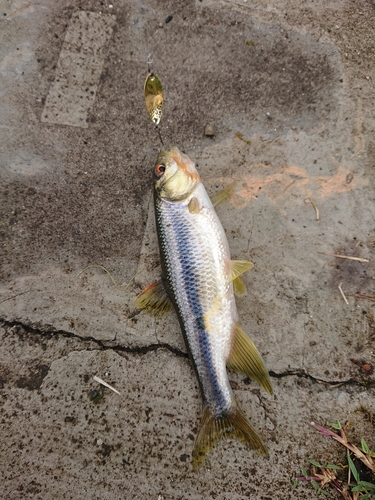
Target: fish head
175 175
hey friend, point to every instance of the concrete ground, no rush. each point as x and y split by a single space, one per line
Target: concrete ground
288 87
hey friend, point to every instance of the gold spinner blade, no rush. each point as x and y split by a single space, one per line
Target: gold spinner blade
154 97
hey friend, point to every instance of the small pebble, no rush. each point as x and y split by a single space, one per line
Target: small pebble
349 178
99 442
209 131
93 394
168 19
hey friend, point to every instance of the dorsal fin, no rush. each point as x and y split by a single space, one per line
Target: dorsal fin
223 194
245 358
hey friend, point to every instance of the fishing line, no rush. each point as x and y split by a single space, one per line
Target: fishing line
153 90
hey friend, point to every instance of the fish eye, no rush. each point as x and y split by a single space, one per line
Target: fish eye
159 170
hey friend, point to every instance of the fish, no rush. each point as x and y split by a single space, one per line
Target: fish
200 281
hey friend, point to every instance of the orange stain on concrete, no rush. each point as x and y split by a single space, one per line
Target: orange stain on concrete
342 182
279 182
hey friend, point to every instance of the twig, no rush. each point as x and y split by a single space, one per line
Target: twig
240 136
349 257
316 208
343 295
100 381
23 7
288 186
362 296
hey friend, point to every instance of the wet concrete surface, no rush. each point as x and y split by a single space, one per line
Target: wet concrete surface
288 89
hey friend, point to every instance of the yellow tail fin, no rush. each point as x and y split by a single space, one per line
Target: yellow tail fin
230 425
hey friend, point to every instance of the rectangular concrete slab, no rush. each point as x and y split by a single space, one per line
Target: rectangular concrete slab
79 67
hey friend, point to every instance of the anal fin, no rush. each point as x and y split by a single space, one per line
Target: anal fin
245 358
232 424
154 300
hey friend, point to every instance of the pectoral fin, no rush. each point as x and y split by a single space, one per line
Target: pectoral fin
223 194
154 300
194 206
229 425
245 358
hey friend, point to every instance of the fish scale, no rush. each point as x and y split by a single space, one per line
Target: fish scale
188 258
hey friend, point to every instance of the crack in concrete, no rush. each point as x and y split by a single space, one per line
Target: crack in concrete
49 331
365 383
14 296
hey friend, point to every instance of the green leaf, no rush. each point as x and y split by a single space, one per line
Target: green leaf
357 488
368 486
322 491
295 483
312 462
324 466
335 426
304 471
353 469
331 466
365 448
315 484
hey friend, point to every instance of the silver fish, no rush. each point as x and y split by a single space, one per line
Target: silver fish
200 279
